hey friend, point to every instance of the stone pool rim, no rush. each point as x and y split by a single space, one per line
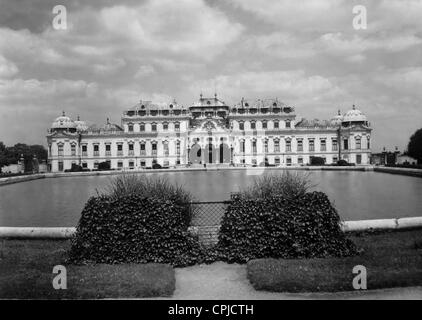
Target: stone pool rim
346 226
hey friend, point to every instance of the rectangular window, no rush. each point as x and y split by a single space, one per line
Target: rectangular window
335 159
142 146
300 145
166 149
346 144
178 148
254 147
120 149
60 150
108 149
241 126
242 146
253 125
276 146
84 150
334 145
154 127
289 161
130 127
154 149
311 145
60 165
358 144
288 146
84 165
165 126
288 124
266 146
142 127
177 126
96 150
323 145
300 160
359 159
264 124
131 152
277 161
120 164
73 150
143 164
131 164
276 124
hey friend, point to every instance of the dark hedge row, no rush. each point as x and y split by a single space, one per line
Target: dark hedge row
277 227
134 229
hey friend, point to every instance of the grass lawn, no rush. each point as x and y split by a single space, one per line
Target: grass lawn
392 259
26 271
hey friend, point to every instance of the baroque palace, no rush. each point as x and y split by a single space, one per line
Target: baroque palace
209 133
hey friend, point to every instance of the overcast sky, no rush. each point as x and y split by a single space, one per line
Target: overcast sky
115 53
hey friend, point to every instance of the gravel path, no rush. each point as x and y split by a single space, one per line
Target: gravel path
228 281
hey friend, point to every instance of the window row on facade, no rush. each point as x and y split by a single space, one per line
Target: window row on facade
155 126
261 124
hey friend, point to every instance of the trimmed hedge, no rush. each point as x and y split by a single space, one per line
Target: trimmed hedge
279 227
134 229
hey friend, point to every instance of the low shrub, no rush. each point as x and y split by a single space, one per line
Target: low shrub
133 228
104 166
344 163
276 226
287 184
317 161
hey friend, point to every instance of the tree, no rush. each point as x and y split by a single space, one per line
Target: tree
414 148
10 155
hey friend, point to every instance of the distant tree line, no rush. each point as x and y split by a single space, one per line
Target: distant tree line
11 155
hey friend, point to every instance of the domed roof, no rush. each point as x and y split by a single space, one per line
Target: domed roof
354 115
81 125
63 122
337 119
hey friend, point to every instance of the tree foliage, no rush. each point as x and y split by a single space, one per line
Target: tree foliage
11 155
414 148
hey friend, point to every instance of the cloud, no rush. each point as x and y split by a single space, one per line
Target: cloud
144 71
7 68
292 85
187 26
315 15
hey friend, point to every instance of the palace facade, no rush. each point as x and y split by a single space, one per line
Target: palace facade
249 133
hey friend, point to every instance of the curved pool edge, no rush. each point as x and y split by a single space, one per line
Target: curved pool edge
346 226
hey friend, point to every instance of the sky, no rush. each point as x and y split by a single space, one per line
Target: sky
114 53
